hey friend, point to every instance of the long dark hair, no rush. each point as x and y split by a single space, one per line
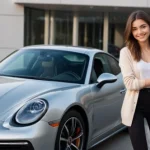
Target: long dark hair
130 41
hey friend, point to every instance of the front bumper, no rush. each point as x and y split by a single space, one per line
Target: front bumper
39 136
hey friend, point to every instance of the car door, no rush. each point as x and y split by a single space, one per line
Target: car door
107 100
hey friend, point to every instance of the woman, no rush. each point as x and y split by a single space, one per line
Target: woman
135 68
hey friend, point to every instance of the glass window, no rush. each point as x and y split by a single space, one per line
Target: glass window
17 63
91 30
103 63
63 28
117 22
115 69
34 26
52 65
100 65
20 62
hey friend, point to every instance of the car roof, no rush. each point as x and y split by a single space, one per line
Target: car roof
86 50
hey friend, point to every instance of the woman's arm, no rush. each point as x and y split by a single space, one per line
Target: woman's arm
130 80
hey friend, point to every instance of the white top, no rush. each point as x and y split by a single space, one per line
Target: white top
144 69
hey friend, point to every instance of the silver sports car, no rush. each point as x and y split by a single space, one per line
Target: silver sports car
59 98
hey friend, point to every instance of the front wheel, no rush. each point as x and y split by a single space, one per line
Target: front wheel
71 133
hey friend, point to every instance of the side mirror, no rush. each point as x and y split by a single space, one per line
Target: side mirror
105 78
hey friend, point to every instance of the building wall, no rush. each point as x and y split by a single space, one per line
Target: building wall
11 27
40 21
136 3
125 3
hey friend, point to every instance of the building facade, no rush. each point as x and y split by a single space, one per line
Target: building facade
91 23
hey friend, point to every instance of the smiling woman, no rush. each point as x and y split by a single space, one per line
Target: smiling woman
140 30
135 68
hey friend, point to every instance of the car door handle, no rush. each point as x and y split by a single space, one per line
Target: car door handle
122 91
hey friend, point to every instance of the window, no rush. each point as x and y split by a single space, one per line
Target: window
117 22
100 65
103 63
20 62
34 26
51 65
63 28
91 29
115 69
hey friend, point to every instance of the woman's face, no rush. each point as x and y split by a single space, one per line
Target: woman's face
140 30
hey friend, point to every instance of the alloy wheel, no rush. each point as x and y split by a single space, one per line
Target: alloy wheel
72 135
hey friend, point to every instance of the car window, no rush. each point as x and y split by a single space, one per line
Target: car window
113 63
100 65
74 58
55 65
20 62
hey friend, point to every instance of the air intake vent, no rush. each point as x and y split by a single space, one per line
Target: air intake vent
9 145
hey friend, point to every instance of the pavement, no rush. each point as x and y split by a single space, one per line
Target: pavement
120 141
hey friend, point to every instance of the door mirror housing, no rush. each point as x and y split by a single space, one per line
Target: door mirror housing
105 78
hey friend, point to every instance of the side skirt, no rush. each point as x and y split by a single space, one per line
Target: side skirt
108 136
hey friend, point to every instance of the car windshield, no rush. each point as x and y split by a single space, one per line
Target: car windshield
45 64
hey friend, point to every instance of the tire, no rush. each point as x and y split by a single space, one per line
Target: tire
71 133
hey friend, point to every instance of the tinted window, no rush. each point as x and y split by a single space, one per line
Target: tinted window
103 63
34 26
115 69
100 65
20 62
43 64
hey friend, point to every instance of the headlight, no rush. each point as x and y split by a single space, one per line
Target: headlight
31 112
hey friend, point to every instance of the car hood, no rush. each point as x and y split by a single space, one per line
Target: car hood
16 91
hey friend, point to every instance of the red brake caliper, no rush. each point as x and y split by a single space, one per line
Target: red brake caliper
77 140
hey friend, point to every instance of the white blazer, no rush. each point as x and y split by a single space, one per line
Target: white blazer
133 84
